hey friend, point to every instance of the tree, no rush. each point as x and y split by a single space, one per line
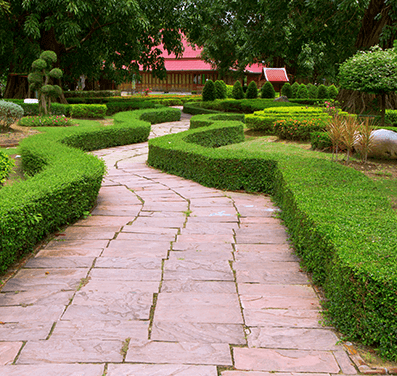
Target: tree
237 92
286 90
322 92
312 90
106 38
220 89
268 91
40 79
252 91
373 72
209 91
302 92
295 87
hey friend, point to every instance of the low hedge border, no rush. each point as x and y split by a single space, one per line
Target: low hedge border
6 165
208 119
349 244
64 181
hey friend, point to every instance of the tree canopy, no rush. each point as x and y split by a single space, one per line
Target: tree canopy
90 37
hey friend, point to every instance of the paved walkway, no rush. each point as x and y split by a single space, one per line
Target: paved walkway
166 277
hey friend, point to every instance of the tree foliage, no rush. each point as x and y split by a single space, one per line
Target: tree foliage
209 91
252 91
373 72
220 89
268 91
237 92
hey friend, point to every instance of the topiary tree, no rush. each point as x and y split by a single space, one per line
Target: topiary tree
322 92
9 114
220 89
332 92
312 90
40 78
286 90
209 91
295 87
237 92
252 91
373 72
268 91
302 92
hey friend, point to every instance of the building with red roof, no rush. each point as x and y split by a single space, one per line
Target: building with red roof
189 73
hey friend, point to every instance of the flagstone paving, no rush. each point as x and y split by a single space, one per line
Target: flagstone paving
166 277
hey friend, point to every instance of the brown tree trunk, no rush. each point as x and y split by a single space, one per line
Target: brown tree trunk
17 87
376 17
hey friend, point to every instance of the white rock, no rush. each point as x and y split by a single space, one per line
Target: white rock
30 100
385 144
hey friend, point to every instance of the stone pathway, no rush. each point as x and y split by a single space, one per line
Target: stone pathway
166 277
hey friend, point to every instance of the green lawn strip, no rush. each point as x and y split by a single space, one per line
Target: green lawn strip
342 226
63 181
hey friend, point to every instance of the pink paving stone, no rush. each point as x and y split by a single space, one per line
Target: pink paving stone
166 206
265 257
40 296
147 263
137 229
259 373
59 244
258 302
117 210
201 255
126 248
159 222
263 248
263 238
70 252
79 233
9 351
103 221
144 237
191 238
60 262
220 287
160 370
126 274
283 318
271 276
35 313
285 360
344 362
293 338
71 351
277 290
121 286
181 352
25 331
204 227
258 220
53 370
202 246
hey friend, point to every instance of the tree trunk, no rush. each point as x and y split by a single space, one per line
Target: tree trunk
376 17
17 87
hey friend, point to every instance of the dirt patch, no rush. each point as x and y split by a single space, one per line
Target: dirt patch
12 136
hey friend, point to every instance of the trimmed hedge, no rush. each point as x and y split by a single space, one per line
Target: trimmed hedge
6 165
93 111
91 93
298 130
207 120
391 117
194 108
349 244
64 181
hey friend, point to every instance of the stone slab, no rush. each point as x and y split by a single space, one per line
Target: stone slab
181 352
285 360
70 252
158 222
103 221
283 318
39 296
132 263
132 236
160 370
271 276
263 238
59 262
198 333
87 233
259 373
126 274
202 270
126 248
263 248
53 370
293 338
8 352
31 313
202 246
166 206
25 331
258 302
117 210
59 244
265 257
345 363
211 287
137 331
214 212
276 290
199 238
120 286
104 312
71 351
133 228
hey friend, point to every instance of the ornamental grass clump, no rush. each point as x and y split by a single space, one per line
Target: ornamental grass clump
350 134
335 131
365 141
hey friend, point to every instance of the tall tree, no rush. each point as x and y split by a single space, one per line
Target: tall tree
91 37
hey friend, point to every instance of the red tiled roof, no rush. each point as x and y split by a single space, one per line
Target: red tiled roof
275 74
187 65
189 51
254 68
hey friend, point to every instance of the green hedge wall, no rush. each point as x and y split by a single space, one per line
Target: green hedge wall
64 181
207 120
5 167
340 224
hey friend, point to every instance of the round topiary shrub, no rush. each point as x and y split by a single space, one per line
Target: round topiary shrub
9 114
332 92
220 89
295 87
302 92
286 90
322 92
312 89
209 91
237 92
268 90
252 91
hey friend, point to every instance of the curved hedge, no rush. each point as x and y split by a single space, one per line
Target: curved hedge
64 181
5 167
340 224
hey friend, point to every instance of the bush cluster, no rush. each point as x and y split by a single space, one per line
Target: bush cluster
93 111
391 117
252 91
237 92
209 93
309 91
6 165
347 244
45 121
297 130
268 91
91 93
220 89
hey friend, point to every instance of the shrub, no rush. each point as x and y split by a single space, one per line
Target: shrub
320 141
268 91
209 91
220 89
295 87
322 92
6 165
9 114
260 123
332 92
391 117
194 108
297 130
128 105
92 93
208 119
45 121
286 90
237 92
88 110
302 92
252 91
229 91
312 91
